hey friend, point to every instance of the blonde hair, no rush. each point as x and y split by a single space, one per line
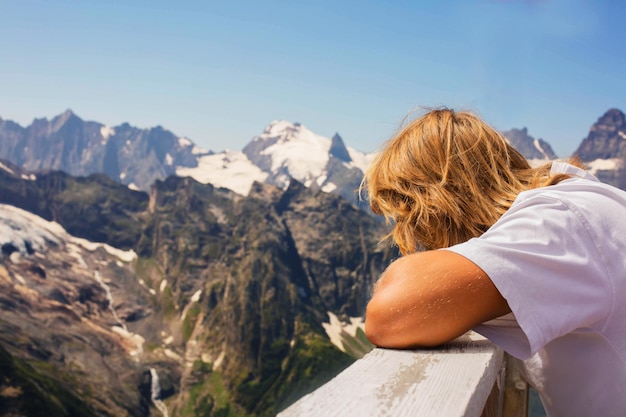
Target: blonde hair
445 178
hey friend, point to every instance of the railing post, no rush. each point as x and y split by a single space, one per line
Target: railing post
509 395
515 389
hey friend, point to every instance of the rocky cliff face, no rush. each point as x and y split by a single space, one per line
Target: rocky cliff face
604 148
224 296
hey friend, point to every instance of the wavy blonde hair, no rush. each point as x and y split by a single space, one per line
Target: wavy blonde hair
447 177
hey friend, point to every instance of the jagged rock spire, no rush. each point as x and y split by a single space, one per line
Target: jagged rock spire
338 149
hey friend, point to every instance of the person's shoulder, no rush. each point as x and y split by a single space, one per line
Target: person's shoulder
580 187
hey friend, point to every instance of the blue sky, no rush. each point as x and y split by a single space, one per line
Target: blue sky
219 72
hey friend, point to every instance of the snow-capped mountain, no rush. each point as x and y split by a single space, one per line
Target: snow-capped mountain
284 151
138 157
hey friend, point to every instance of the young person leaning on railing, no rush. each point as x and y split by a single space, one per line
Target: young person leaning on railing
532 258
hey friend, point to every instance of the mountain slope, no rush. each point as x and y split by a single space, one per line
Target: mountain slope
225 298
58 337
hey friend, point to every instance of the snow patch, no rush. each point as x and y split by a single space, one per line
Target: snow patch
106 132
360 160
194 299
6 168
30 233
124 255
622 134
196 296
603 165
184 142
168 159
133 186
228 169
537 162
220 359
74 251
27 232
537 145
196 150
107 290
330 187
172 355
336 327
136 340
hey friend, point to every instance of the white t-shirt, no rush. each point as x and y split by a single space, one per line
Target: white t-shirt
558 256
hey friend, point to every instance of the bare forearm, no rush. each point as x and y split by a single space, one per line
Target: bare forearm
429 298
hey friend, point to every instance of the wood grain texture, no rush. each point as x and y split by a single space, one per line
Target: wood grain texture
454 380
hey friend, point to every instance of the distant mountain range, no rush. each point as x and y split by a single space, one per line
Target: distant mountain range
138 157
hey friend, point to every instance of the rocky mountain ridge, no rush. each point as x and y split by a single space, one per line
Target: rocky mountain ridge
135 157
222 297
138 157
537 151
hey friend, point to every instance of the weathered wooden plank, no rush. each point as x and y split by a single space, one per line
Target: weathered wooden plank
515 390
454 380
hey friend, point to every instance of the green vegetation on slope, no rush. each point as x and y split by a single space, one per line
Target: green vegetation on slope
27 391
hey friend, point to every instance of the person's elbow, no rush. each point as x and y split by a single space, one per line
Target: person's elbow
388 327
378 332
375 328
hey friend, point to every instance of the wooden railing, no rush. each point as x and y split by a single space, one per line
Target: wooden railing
467 377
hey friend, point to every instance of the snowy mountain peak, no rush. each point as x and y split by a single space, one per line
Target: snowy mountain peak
282 152
281 131
281 128
289 150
